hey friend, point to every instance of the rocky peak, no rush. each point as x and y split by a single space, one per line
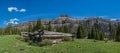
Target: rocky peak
63 17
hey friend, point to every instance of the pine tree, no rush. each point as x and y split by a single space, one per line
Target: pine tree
111 32
49 28
81 32
15 31
78 33
8 29
102 34
38 25
30 28
91 34
117 38
59 29
0 31
66 29
97 34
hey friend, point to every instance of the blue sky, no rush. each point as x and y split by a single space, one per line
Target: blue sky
18 11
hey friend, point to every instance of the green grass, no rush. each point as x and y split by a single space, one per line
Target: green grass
10 44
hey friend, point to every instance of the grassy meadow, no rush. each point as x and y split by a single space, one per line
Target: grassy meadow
10 44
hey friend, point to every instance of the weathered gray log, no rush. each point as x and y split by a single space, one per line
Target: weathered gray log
35 36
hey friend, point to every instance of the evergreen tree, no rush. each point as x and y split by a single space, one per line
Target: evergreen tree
66 29
99 35
8 29
102 34
15 31
30 28
117 38
59 29
38 25
91 34
110 31
81 32
96 32
1 31
78 33
49 28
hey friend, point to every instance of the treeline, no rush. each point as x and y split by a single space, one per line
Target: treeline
13 30
48 27
96 31
9 30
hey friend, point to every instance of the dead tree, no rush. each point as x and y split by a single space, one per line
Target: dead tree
36 36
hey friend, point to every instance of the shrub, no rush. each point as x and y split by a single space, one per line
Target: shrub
18 38
45 42
26 39
94 40
32 43
67 39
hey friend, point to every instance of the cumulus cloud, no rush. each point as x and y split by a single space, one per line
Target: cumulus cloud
113 19
11 9
82 17
79 17
16 23
23 10
104 16
13 21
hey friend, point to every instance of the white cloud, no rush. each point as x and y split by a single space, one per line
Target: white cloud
104 16
13 21
11 9
23 10
80 17
16 23
113 19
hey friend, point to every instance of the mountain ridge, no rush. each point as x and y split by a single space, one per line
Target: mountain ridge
73 23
